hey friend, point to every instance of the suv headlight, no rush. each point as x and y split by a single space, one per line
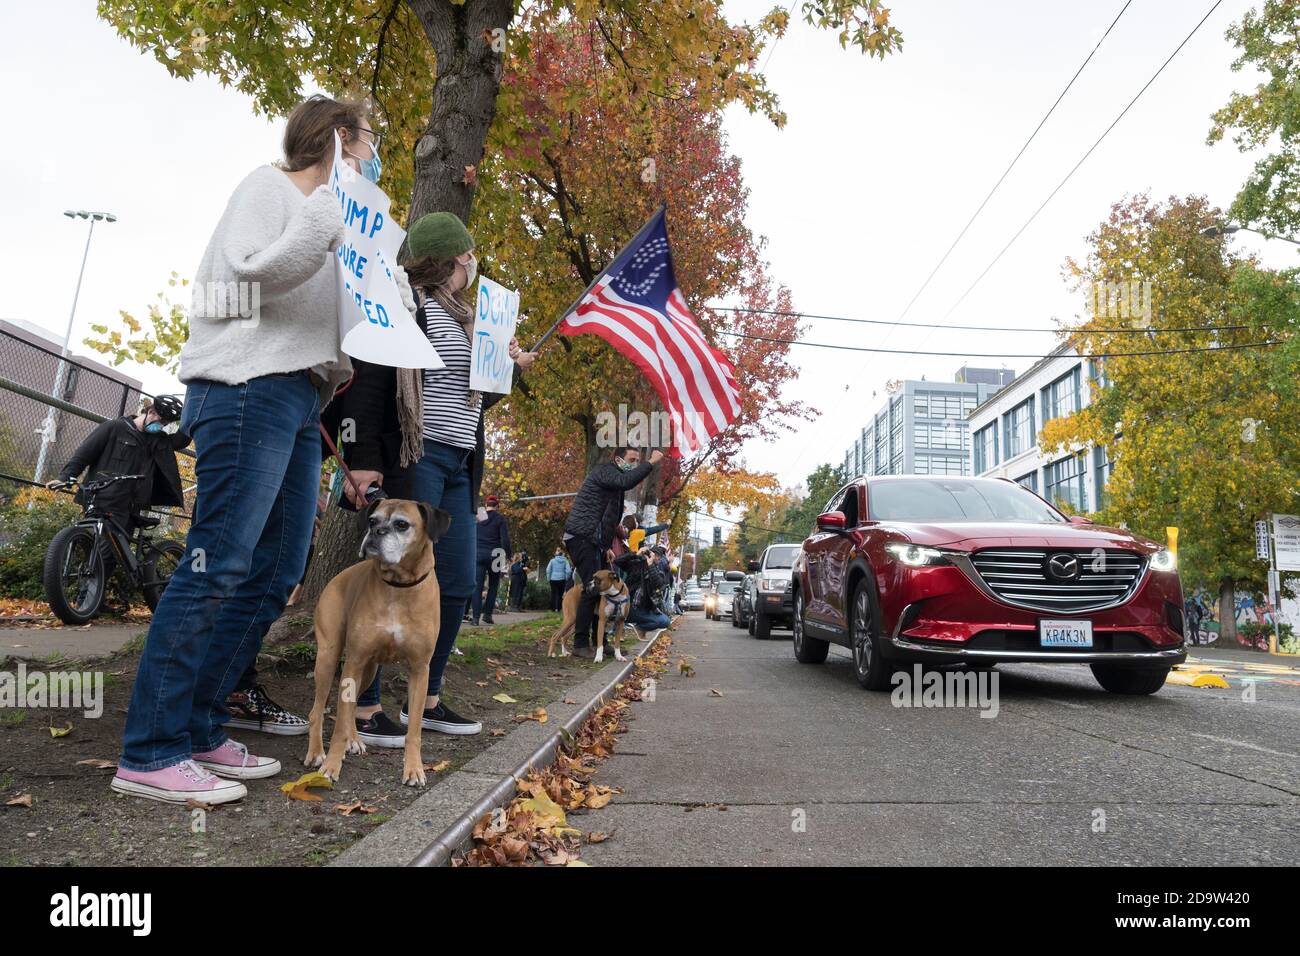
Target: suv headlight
773 584
916 556
1163 560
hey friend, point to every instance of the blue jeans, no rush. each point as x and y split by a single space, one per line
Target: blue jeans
442 478
647 620
258 471
477 601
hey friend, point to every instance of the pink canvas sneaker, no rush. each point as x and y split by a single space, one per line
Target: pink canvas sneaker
178 783
234 761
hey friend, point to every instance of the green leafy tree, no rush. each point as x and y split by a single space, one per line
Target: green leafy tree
1203 441
157 343
432 68
823 482
1267 118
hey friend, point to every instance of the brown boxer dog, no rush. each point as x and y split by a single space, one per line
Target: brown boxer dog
610 612
381 610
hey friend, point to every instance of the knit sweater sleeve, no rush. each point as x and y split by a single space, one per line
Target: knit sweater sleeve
254 247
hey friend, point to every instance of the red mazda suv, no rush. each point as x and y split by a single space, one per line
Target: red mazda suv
982 571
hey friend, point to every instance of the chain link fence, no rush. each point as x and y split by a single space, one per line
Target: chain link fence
50 404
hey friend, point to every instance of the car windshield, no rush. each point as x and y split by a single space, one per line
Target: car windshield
780 558
934 499
726 587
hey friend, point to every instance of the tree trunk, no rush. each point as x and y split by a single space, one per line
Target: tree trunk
464 103
464 100
1227 611
336 547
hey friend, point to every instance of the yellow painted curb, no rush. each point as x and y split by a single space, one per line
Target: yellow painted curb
1191 679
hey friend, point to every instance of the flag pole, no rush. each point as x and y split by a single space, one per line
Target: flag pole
569 311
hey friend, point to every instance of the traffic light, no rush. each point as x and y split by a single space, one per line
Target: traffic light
717 535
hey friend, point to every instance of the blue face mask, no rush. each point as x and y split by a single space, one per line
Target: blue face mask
370 168
154 428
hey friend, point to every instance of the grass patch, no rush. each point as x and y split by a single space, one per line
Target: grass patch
480 643
299 653
13 719
134 646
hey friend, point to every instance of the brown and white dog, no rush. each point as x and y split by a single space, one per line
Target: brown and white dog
614 601
383 609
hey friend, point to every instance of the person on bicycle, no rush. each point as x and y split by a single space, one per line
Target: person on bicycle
131 445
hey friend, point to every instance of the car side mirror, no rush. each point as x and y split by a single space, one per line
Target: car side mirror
831 521
1080 519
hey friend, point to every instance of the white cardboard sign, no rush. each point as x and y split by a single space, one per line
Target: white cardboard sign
491 367
373 323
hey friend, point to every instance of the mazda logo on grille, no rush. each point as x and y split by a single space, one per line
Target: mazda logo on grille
1063 567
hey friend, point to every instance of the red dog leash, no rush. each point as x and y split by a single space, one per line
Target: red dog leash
347 473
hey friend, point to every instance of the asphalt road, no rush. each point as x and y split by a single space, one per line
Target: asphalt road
795 764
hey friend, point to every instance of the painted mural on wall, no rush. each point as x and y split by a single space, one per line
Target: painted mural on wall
1254 621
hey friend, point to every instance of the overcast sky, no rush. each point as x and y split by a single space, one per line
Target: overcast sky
879 167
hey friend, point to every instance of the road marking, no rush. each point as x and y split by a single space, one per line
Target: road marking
1242 743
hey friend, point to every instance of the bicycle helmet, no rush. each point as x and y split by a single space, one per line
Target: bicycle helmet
168 407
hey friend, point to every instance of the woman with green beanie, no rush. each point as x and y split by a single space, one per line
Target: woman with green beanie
419 434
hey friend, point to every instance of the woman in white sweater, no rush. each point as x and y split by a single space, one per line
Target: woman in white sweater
262 358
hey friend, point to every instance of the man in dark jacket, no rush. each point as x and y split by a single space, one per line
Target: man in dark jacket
589 532
130 445
493 556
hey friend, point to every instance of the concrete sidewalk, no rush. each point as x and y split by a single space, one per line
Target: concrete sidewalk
97 639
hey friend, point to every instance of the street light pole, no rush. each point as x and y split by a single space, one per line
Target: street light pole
1225 229
49 427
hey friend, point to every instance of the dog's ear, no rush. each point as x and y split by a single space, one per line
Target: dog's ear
436 521
370 509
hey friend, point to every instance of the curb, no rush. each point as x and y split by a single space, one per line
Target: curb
485 783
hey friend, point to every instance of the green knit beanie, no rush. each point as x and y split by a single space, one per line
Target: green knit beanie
440 235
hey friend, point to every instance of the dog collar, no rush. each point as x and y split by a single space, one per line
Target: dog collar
394 584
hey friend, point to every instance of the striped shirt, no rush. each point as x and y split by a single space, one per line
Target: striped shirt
451 410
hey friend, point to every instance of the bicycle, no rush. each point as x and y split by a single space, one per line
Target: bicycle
75 578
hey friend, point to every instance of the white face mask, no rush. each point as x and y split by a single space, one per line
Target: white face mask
471 270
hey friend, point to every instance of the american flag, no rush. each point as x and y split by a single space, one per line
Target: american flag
636 306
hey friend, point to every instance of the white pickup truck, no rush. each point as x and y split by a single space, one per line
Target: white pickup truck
773 605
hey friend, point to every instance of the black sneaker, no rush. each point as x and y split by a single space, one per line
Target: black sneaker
379 731
487 620
253 709
445 720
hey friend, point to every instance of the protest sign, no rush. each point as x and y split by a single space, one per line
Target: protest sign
373 323
491 366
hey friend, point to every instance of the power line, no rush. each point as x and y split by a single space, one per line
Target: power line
1011 166
859 375
756 527
772 49
863 348
980 328
1083 159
